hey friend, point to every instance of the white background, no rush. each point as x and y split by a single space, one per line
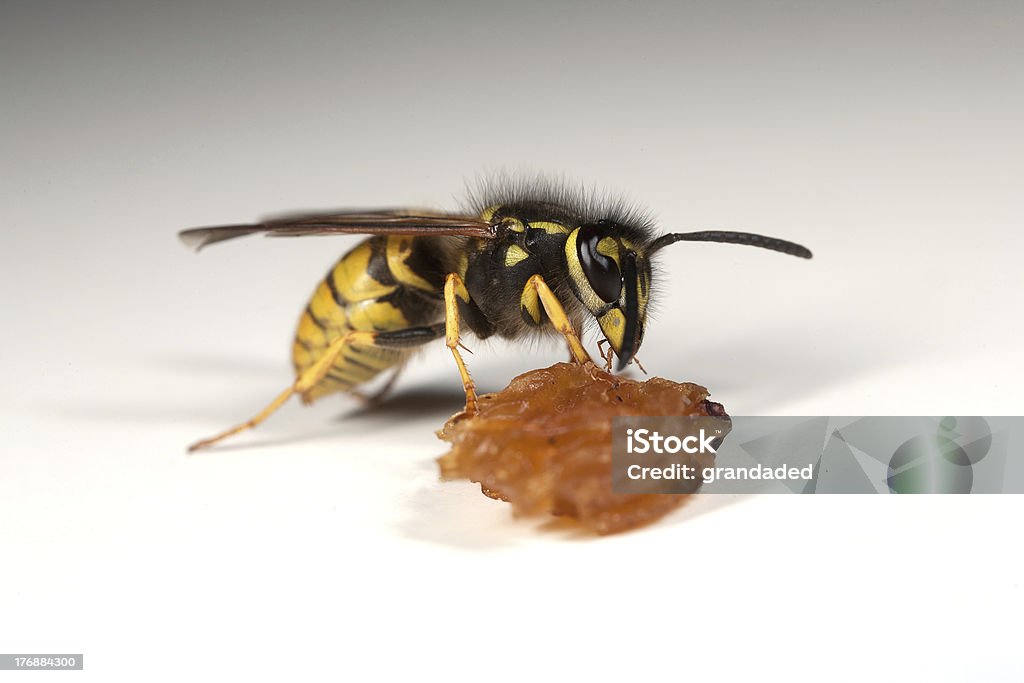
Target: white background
886 138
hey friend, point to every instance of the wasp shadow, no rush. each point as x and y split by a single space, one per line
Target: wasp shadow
417 401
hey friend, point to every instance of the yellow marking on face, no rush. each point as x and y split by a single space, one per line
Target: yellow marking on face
353 281
613 325
643 294
550 227
572 259
609 247
463 264
514 255
399 248
587 294
488 213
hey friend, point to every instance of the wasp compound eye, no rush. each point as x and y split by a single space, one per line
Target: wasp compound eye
594 246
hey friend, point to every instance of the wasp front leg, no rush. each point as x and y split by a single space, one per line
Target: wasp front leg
537 294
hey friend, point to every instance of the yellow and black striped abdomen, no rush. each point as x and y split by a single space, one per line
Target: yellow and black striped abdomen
384 284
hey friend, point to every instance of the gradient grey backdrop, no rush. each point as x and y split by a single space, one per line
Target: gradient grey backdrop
885 136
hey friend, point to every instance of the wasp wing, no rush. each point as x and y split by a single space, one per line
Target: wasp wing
388 222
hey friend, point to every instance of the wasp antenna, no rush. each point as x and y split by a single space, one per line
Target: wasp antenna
728 237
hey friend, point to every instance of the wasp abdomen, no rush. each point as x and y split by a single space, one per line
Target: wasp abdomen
384 284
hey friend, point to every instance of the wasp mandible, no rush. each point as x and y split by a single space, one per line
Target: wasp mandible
524 260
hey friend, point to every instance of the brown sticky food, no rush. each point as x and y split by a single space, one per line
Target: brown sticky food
543 444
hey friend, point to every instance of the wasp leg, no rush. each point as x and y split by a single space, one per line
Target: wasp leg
413 336
606 355
455 290
374 399
537 294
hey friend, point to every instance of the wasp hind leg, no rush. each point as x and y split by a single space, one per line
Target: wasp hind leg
413 336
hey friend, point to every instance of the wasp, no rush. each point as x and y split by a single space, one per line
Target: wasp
518 262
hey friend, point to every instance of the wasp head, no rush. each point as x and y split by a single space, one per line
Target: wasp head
612 277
